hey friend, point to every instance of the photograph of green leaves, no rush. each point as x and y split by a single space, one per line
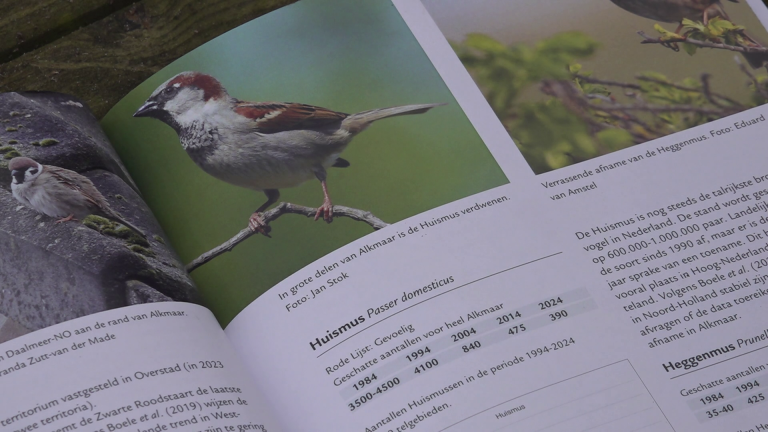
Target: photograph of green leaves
575 80
324 110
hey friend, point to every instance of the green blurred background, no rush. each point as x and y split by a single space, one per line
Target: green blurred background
346 55
618 56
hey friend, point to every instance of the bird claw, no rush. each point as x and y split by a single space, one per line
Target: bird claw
256 224
672 45
325 210
66 219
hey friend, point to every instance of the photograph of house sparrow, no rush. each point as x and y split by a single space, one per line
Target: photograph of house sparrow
59 193
264 146
400 167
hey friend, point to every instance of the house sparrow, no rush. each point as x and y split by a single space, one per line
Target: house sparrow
59 192
674 11
264 146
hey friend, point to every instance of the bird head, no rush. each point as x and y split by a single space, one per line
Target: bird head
24 170
183 98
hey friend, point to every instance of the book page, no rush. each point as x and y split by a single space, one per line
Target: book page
615 284
98 326
147 368
308 65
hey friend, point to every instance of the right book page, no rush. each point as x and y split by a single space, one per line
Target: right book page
617 283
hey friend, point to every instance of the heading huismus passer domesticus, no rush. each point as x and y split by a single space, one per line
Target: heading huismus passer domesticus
264 146
59 192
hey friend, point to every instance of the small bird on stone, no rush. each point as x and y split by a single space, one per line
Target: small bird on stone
264 146
59 193
674 11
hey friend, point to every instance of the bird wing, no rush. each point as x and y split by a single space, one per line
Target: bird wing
274 117
86 188
77 183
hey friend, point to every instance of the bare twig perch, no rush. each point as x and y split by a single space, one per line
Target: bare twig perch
279 210
658 109
702 44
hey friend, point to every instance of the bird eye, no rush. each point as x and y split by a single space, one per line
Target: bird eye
168 90
33 171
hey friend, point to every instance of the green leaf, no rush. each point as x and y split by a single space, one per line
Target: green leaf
666 34
572 43
689 48
614 139
485 43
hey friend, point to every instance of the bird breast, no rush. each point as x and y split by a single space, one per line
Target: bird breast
46 196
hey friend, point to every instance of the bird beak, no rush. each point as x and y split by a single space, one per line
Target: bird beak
147 109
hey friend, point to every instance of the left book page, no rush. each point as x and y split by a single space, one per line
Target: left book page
79 246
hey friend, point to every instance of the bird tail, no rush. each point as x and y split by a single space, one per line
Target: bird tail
358 122
756 60
133 227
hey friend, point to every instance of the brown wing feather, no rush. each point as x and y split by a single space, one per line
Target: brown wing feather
273 117
83 185
79 183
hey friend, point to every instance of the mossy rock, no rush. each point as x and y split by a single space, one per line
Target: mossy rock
159 239
6 149
114 229
15 114
48 142
35 143
98 223
11 129
117 231
148 274
126 234
142 251
137 240
13 141
11 154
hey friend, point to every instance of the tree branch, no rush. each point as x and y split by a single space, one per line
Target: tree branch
657 109
279 210
702 44
591 80
755 82
706 91
692 89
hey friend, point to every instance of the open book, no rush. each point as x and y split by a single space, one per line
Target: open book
401 215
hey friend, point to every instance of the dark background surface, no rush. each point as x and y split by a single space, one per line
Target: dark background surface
99 50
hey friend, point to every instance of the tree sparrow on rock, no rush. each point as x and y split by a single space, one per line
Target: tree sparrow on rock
59 192
264 146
